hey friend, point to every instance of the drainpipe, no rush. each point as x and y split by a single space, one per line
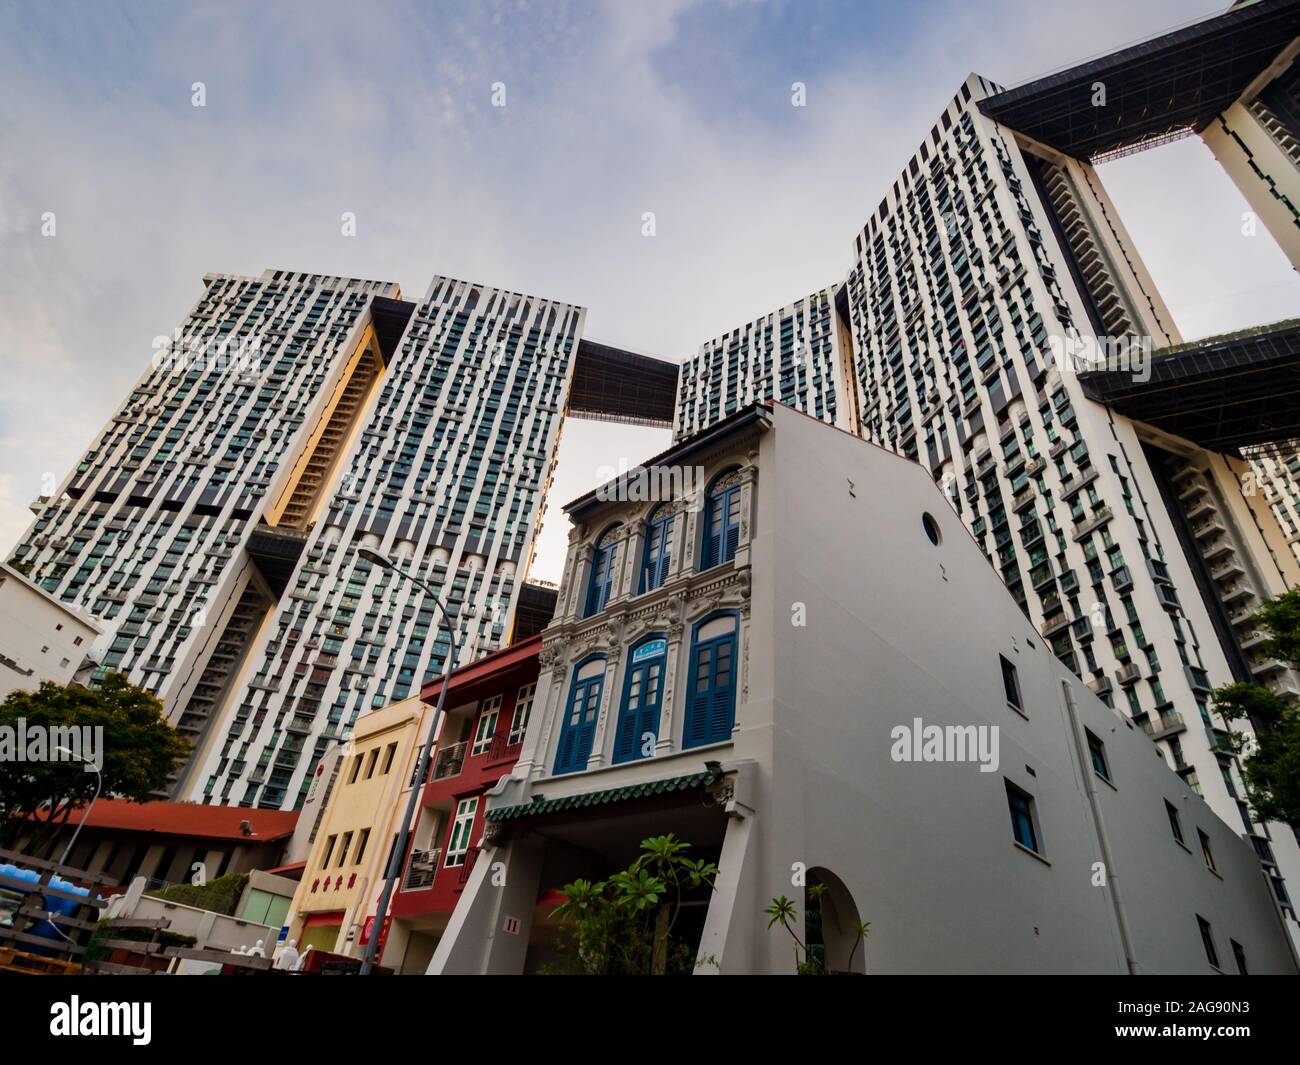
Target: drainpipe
1103 841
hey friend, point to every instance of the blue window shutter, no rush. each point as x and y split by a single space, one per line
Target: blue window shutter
731 522
711 703
579 726
639 713
713 533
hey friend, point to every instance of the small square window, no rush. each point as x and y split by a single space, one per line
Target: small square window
1011 684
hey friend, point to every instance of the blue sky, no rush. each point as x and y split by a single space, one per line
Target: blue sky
613 109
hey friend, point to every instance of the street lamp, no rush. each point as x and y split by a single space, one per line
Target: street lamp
99 783
403 837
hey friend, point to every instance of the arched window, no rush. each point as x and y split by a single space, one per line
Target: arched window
602 572
579 726
721 520
638 715
711 691
658 532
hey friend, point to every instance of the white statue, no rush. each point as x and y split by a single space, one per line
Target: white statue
258 950
287 956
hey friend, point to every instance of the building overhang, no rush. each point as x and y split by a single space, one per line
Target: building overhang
1225 393
615 385
1154 91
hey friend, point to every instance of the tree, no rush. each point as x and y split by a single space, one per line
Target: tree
134 745
1271 760
624 925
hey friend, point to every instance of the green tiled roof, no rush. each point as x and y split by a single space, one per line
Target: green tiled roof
599 798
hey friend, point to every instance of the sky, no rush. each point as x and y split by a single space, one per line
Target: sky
612 110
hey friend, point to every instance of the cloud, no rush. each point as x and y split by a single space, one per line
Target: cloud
612 110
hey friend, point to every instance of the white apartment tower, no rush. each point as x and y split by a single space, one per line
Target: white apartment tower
293 419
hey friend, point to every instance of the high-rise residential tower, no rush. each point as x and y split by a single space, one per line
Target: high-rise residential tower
798 355
447 477
231 430
292 419
1005 333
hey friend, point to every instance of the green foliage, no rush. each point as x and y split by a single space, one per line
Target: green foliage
807 960
95 951
1280 618
623 925
220 895
1271 761
139 749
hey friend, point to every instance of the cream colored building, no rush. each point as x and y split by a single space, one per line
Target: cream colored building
345 866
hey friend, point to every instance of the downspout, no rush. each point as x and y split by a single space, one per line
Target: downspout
1103 841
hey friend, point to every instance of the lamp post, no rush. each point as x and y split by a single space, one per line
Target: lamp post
422 766
99 783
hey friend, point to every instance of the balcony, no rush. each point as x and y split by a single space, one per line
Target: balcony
449 760
1054 624
1167 724
1100 685
1092 522
420 869
502 748
1128 673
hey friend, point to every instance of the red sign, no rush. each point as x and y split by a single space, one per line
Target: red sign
369 926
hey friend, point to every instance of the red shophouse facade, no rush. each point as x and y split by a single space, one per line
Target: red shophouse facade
486 712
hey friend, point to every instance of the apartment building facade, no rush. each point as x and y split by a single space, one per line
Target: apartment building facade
799 355
991 283
748 694
291 420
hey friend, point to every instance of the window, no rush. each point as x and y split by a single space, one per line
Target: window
1175 825
722 521
356 768
658 534
519 719
329 852
388 758
487 726
370 763
579 727
1011 684
638 717
461 827
602 572
1206 853
1097 752
1239 956
931 528
361 846
711 707
343 850
1207 938
1021 805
